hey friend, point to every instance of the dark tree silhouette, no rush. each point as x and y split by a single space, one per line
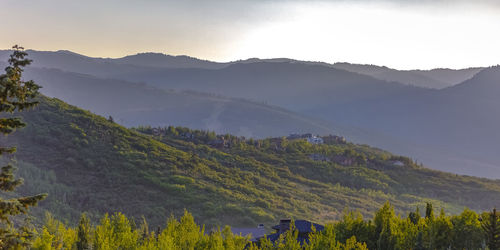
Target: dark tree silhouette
429 211
15 95
491 227
83 234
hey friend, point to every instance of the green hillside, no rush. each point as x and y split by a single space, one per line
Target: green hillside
87 163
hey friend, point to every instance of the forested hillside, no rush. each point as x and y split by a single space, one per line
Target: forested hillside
88 163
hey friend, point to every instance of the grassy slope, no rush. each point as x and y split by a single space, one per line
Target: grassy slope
87 163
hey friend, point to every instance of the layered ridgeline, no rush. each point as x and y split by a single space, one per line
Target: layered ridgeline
133 104
109 67
88 163
434 79
449 129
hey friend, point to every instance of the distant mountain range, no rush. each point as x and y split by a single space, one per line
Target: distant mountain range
133 104
447 119
104 67
435 78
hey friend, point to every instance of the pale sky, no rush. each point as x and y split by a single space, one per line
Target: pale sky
403 34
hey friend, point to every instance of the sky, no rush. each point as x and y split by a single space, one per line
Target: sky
402 34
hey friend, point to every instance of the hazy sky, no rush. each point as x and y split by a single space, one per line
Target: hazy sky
398 33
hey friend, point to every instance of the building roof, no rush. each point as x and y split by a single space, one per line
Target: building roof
304 226
301 238
254 232
273 237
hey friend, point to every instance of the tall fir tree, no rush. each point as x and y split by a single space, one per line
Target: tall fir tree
429 211
83 241
15 95
384 227
414 216
491 227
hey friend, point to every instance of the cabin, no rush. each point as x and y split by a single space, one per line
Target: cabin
398 163
156 131
304 228
315 139
334 139
220 142
187 135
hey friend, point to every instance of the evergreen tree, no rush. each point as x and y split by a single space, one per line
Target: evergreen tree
441 232
491 227
415 216
384 227
84 230
15 95
386 239
144 229
429 211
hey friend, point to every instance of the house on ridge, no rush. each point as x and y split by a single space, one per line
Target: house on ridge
304 228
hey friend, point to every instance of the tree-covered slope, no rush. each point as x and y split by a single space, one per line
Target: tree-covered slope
87 163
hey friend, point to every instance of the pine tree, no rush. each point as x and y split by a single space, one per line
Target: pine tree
491 227
83 235
415 216
144 229
15 95
385 227
429 211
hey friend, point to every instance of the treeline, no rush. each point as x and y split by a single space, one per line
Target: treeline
333 145
468 230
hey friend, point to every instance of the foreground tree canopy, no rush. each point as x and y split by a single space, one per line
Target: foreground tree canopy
386 230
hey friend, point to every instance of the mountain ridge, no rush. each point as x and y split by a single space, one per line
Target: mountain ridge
133 104
447 77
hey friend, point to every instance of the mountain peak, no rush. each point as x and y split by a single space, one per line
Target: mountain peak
161 60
